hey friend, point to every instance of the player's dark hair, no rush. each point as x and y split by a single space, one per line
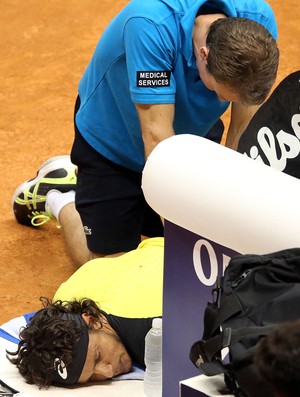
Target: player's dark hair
278 359
47 336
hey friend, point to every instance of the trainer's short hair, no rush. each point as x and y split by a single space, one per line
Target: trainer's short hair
244 56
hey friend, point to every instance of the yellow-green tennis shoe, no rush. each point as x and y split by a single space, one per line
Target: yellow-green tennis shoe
29 199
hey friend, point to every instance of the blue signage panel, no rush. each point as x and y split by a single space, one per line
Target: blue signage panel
191 266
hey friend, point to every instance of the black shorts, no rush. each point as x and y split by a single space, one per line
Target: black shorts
110 202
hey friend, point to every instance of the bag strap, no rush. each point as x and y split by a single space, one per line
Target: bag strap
205 351
217 313
229 307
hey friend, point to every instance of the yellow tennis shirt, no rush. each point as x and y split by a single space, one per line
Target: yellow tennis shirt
129 285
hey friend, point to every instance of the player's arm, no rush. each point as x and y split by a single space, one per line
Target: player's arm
240 118
156 124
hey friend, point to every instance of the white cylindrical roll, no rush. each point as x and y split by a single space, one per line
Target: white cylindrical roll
223 195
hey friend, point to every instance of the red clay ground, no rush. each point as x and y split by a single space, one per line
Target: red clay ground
45 47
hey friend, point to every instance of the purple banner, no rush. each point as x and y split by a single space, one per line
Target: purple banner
192 264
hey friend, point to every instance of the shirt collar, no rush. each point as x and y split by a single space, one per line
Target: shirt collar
187 25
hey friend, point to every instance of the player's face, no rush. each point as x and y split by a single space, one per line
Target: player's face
106 357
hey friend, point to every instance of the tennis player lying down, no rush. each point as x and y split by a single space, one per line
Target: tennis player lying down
95 326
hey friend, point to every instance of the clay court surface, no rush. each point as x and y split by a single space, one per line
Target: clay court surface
45 47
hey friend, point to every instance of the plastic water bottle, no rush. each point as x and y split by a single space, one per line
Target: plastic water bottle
153 360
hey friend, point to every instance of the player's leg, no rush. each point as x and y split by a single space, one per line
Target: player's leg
51 195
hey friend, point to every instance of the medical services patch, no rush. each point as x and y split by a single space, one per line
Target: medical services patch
153 79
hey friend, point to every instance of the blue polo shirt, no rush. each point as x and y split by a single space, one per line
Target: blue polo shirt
145 56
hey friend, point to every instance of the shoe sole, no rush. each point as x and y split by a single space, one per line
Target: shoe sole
49 165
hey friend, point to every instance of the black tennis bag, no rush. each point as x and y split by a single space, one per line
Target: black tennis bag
256 293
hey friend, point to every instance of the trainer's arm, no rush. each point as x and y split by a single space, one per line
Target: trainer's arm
156 124
240 118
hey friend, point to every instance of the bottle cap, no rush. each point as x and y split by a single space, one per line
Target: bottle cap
157 323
